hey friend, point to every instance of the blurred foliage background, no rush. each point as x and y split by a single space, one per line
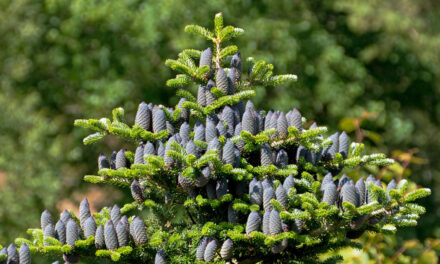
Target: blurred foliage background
368 67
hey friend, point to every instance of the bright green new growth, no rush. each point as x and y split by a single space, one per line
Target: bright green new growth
249 188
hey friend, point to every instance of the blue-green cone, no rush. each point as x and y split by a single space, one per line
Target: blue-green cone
273 122
185 182
160 149
282 159
210 131
260 122
149 150
60 231
13 257
184 113
201 96
99 237
229 117
328 178
46 218
267 119
348 194
143 116
25 254
210 97
72 233
89 227
267 183
210 250
110 237
203 177
49 232
191 148
248 122
221 187
169 126
268 195
288 183
231 80
226 249
282 125
84 211
115 214
210 190
138 231
237 131
256 192
228 152
266 156
277 248
237 158
266 221
361 190
330 151
221 81
159 120
121 160
221 129
113 160
344 143
201 248
301 152
391 185
137 192
281 195
103 162
199 133
160 257
236 64
344 179
122 234
296 119
275 223
169 161
232 214
139 155
215 144
330 193
206 58
184 131
253 222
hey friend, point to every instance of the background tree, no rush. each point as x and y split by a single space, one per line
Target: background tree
66 58
215 153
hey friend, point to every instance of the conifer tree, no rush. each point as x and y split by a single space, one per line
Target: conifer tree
222 181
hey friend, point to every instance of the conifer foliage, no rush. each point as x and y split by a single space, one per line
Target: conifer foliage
223 181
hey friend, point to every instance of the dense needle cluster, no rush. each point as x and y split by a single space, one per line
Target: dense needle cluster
225 181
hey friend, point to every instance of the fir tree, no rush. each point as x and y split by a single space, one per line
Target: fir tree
223 181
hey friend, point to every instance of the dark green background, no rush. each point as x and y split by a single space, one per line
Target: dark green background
67 59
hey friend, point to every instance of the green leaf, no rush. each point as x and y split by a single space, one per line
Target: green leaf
179 81
417 194
186 94
92 138
118 114
179 67
229 50
199 30
218 24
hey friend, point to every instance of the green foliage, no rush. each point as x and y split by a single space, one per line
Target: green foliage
69 59
178 170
